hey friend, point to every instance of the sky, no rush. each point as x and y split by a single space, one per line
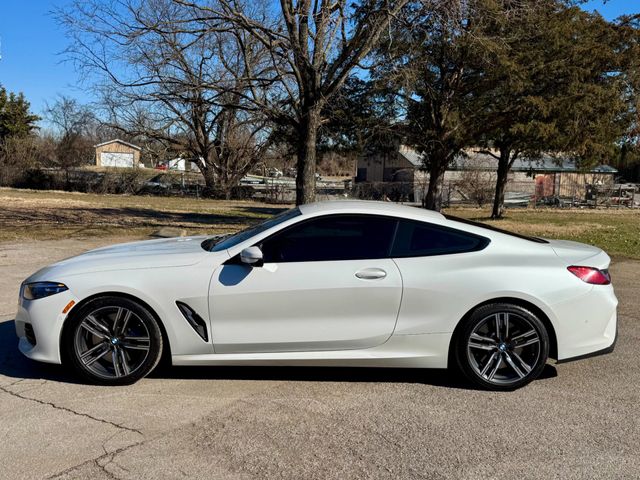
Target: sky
32 49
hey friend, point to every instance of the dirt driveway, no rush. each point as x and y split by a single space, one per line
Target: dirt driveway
579 421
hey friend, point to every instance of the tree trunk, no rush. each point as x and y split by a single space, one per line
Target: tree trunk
307 142
438 165
209 180
504 164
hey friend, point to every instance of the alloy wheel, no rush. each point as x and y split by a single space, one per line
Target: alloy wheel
503 348
112 342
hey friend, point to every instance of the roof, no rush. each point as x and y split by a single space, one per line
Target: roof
117 140
474 159
411 155
545 163
365 206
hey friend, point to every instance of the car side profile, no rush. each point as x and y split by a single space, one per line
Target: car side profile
343 283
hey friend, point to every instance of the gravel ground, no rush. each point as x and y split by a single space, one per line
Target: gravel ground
579 421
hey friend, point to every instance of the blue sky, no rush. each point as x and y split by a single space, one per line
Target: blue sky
32 43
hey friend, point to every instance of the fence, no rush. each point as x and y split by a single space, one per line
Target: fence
517 194
543 190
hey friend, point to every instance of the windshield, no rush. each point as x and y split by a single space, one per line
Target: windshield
217 244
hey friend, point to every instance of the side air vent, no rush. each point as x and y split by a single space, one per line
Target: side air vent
28 332
196 322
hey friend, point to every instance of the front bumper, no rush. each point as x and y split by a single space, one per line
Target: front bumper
45 319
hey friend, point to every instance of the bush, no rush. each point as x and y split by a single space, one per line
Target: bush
387 191
237 192
37 179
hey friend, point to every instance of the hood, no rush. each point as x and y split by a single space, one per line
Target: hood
171 252
576 253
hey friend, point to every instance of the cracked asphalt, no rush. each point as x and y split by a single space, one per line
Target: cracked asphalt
579 421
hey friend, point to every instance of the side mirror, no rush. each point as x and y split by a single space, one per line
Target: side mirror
251 256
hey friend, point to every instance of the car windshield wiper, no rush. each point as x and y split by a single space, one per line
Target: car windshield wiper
211 242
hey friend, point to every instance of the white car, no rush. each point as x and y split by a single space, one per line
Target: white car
344 283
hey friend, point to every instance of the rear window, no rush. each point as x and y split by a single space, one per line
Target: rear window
419 239
495 229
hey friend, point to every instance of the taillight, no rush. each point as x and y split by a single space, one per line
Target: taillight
591 275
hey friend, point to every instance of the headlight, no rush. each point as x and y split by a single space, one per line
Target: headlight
33 291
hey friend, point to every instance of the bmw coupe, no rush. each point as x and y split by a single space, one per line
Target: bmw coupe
344 283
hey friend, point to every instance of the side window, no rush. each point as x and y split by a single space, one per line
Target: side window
418 239
333 237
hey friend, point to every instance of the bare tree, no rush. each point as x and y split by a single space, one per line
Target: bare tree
313 46
477 182
168 77
72 123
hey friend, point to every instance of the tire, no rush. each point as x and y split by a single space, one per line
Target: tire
112 341
501 347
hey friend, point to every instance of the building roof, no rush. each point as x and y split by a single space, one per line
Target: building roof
545 163
411 155
117 140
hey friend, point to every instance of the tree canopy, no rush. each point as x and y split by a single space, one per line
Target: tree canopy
16 119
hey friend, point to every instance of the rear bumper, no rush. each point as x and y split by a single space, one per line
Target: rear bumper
597 353
586 326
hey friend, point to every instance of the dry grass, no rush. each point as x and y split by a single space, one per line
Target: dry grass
45 215
52 214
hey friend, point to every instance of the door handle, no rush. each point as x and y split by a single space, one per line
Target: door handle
371 273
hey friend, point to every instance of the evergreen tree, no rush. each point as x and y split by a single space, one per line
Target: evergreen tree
15 118
554 87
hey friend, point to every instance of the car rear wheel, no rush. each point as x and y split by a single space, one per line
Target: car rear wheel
112 341
502 347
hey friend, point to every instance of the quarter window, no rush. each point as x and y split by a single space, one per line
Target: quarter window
418 239
333 237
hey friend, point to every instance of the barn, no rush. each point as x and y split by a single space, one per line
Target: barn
117 153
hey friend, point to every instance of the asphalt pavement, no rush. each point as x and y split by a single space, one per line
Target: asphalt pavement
580 420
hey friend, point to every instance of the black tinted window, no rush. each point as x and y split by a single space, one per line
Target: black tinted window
334 237
416 239
241 236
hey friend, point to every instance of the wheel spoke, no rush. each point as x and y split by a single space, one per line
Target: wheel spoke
489 363
528 338
481 342
495 369
512 364
506 326
527 368
116 362
123 361
92 325
135 343
121 321
498 329
95 353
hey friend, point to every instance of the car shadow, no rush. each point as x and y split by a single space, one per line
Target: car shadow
15 365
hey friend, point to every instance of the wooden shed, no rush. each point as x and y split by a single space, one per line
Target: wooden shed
117 153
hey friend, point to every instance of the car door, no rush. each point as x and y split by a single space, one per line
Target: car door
327 283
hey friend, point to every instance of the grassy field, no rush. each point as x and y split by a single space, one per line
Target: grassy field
615 230
43 215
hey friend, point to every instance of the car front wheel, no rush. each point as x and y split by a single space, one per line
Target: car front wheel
502 347
112 341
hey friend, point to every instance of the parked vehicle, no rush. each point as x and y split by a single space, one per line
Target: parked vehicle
274 172
347 283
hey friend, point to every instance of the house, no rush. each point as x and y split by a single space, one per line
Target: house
549 176
180 164
400 164
117 153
